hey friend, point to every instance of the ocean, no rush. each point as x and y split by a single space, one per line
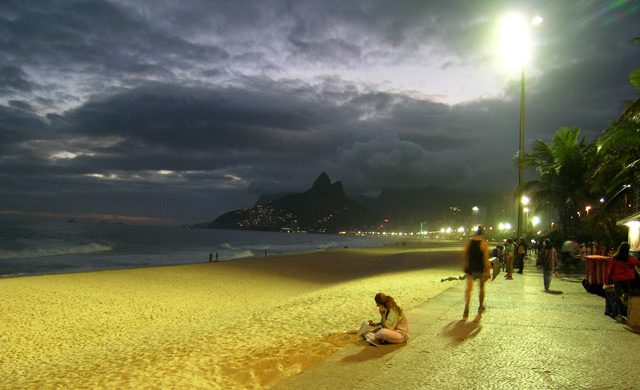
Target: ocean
38 248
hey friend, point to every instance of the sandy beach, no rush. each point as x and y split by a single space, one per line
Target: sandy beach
242 324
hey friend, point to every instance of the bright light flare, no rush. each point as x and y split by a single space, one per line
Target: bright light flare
514 41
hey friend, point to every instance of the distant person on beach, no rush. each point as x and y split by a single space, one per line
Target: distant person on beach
217 257
210 257
548 261
393 327
620 274
508 255
475 259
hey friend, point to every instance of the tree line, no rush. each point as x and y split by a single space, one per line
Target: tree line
586 186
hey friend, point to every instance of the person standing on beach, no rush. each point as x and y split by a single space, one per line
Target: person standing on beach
548 261
475 260
393 327
508 255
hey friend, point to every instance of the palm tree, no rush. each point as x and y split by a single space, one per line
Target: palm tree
562 167
619 149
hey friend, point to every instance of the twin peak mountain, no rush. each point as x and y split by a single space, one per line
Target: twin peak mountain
323 208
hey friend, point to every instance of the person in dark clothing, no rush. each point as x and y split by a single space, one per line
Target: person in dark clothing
521 252
475 260
548 261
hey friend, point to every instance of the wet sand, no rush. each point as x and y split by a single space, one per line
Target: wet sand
242 324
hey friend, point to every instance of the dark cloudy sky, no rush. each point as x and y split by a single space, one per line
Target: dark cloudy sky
176 111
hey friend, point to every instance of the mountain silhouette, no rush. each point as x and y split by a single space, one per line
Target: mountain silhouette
322 208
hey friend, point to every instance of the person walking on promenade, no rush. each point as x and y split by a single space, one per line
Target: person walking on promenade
497 253
393 327
620 273
569 255
548 261
522 252
475 260
508 255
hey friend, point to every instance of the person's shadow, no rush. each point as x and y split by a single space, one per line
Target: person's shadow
554 292
370 352
460 331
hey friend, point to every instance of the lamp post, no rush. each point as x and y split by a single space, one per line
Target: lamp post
521 151
515 48
524 204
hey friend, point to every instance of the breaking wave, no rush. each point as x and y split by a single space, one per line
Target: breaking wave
74 250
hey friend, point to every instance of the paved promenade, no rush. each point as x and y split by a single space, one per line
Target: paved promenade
527 339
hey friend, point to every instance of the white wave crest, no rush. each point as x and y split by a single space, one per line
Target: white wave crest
326 245
75 250
242 254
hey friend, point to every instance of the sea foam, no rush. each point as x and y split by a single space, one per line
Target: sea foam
61 251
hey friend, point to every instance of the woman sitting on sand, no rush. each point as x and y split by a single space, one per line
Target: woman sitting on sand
393 326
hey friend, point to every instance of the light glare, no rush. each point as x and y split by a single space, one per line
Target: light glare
514 41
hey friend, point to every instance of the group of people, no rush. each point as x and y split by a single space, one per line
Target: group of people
393 326
511 255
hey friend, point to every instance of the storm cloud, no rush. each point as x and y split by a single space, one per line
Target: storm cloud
178 112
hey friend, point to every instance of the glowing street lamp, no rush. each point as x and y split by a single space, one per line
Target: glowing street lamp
535 221
525 208
515 50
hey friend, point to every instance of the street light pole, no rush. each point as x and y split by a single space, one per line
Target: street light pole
520 167
515 46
